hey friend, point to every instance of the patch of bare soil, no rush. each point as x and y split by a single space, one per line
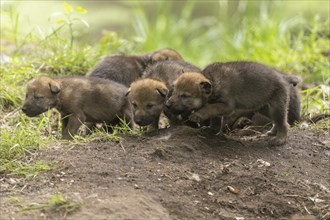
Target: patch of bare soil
183 173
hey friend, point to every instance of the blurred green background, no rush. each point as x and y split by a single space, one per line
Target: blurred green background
121 16
289 35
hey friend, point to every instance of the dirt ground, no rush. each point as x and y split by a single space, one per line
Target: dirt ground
184 173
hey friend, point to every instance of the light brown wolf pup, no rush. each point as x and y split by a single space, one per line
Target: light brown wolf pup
148 95
226 88
78 99
127 69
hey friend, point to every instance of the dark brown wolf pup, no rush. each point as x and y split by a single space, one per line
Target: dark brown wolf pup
127 69
227 88
252 118
79 100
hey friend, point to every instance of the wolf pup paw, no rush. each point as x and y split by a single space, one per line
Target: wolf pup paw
276 141
196 117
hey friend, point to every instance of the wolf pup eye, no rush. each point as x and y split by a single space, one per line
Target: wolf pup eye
184 96
36 97
134 105
149 106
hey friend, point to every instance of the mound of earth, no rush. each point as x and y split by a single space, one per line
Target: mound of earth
183 173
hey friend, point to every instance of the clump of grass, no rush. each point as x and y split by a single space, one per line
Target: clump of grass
20 138
322 127
315 100
69 61
9 98
26 169
125 128
111 133
13 75
57 204
97 135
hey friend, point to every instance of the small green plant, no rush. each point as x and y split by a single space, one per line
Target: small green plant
315 101
63 54
69 21
125 128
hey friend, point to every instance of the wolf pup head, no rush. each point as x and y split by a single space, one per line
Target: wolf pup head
191 92
41 95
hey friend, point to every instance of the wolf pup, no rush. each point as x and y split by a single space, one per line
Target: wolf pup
126 69
78 99
225 88
148 95
253 118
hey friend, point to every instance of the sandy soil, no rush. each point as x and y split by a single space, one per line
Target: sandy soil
183 173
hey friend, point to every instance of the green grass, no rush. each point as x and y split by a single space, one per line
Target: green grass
60 204
57 204
296 45
103 134
323 127
28 170
20 139
315 100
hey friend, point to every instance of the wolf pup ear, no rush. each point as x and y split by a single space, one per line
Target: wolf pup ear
292 79
54 87
162 91
206 87
128 91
